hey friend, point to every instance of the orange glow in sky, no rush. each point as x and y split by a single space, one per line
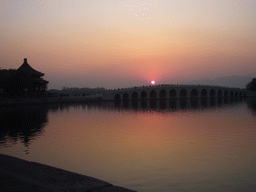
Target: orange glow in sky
103 44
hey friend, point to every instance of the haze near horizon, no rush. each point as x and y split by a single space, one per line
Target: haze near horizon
111 44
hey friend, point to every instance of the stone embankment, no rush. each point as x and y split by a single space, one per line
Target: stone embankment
20 175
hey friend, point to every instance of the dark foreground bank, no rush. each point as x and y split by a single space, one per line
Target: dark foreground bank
20 175
32 101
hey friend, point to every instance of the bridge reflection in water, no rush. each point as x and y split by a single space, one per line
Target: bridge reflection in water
27 123
176 104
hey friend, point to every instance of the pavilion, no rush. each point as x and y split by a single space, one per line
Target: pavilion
39 84
22 82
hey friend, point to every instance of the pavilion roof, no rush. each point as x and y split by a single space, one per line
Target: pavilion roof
40 81
25 67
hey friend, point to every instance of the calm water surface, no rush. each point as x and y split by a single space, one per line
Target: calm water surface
154 146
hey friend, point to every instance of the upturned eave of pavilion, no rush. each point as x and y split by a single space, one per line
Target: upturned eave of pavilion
26 68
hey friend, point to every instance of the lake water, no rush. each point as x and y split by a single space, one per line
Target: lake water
188 145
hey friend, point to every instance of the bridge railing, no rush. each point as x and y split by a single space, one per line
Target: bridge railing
170 85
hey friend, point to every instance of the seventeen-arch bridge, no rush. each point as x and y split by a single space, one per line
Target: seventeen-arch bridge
174 92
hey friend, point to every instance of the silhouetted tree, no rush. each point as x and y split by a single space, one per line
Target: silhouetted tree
18 84
251 86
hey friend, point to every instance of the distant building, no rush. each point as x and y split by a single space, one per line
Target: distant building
25 81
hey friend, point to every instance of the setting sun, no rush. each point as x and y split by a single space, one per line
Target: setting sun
153 82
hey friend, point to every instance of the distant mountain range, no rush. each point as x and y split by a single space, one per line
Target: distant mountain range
229 81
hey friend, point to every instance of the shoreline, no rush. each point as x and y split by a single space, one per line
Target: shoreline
21 175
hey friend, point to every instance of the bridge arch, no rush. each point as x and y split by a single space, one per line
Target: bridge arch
135 95
117 97
204 93
143 95
153 94
194 93
183 93
173 93
162 94
212 93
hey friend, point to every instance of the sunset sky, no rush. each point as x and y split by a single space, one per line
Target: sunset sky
101 43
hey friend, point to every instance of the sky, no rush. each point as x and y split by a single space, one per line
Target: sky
111 44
